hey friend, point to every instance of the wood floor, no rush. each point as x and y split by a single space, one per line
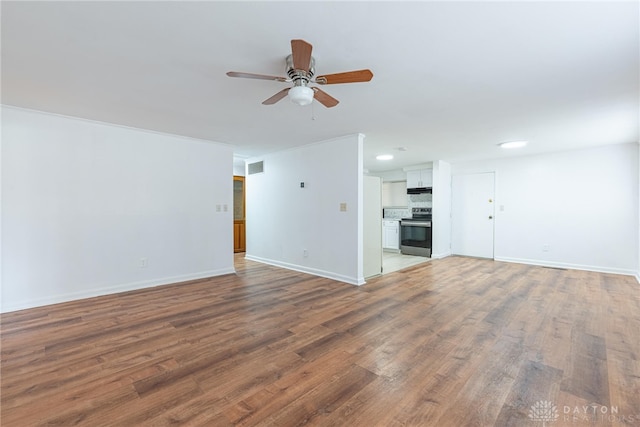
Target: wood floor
451 342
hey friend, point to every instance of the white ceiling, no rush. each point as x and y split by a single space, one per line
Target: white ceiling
451 79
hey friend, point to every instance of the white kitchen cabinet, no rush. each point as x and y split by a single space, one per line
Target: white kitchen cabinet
391 234
420 178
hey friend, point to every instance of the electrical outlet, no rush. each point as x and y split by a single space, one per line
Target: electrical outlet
144 262
225 207
343 207
305 253
218 208
545 248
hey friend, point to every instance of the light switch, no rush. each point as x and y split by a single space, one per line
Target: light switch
217 208
343 207
225 207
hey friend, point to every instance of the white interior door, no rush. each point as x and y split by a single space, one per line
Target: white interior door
472 214
372 245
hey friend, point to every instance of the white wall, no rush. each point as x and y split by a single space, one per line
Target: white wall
84 202
583 204
391 176
372 226
238 166
394 194
283 219
441 245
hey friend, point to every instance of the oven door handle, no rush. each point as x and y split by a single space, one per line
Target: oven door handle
416 224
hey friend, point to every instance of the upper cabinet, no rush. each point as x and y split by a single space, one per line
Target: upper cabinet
420 178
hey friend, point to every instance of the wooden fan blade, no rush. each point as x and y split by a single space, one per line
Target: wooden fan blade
301 52
277 97
347 77
255 76
324 98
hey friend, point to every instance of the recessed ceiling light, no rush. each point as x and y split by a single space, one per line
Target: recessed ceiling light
384 157
513 144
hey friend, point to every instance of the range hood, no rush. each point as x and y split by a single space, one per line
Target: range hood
419 190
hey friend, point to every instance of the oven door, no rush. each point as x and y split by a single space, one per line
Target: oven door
415 238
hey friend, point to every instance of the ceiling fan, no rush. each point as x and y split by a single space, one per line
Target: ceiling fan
300 66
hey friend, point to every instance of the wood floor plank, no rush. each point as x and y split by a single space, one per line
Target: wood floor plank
452 342
278 395
587 376
325 398
492 379
535 383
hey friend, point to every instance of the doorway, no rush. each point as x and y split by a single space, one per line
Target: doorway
239 211
472 214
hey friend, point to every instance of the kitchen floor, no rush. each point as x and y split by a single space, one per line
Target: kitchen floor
392 261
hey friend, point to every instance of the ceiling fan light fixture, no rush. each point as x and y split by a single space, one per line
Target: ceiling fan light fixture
513 144
301 95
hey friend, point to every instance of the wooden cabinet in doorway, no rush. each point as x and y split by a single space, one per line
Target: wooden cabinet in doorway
239 237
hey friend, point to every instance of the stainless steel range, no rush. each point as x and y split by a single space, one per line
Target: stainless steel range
415 233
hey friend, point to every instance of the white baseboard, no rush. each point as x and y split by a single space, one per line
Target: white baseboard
598 269
308 270
114 289
441 255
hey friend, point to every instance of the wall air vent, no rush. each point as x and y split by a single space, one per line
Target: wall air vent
257 167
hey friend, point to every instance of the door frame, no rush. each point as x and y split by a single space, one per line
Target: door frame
239 225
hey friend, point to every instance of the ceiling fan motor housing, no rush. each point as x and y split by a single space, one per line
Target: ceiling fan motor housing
300 77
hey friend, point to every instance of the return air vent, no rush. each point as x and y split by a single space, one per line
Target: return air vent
257 167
